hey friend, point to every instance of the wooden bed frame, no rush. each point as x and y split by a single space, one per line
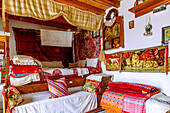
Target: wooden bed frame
31 88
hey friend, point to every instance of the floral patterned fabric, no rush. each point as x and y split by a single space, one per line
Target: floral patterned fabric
91 86
12 97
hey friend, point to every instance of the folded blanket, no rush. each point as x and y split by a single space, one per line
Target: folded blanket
112 101
21 69
134 105
131 87
158 103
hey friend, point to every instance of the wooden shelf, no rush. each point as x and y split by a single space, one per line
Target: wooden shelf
114 41
147 7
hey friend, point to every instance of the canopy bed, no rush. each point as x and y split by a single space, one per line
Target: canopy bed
41 11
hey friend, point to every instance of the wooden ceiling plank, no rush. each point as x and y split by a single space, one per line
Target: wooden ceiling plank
83 6
114 3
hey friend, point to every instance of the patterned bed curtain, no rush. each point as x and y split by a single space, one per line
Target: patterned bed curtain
86 46
28 43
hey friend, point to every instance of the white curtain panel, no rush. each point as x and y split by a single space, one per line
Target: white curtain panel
56 38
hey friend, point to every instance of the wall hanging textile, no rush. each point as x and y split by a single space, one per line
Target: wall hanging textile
87 47
49 9
28 43
56 38
113 61
145 60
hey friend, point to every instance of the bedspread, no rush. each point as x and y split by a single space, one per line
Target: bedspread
134 105
71 72
158 103
112 101
124 97
79 102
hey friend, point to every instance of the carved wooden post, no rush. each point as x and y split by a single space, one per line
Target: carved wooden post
7 52
7 79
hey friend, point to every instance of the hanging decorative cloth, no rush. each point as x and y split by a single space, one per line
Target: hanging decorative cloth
49 9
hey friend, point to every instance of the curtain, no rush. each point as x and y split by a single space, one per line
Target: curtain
28 43
49 9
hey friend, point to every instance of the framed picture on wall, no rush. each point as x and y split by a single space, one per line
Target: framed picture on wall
131 24
165 34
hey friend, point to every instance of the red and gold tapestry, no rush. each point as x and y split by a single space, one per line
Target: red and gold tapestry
145 60
113 61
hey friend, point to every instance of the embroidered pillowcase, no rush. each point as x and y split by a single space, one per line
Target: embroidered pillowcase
92 62
58 88
13 97
91 86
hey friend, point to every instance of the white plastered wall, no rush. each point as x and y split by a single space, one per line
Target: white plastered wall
134 39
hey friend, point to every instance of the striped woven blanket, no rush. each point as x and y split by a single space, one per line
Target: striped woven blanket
134 105
112 101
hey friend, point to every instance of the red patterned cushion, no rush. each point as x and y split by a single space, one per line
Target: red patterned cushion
58 88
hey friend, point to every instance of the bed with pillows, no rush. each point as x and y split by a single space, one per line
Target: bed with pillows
56 96
25 69
40 87
82 68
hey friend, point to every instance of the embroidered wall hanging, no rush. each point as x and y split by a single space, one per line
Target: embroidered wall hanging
113 61
87 47
145 60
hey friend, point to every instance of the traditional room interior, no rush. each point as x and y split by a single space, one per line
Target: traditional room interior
105 55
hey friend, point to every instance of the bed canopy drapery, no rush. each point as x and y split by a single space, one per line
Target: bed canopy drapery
49 9
46 10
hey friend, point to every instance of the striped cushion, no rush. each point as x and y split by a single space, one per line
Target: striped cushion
58 88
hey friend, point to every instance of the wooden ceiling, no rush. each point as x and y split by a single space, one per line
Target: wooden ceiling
95 6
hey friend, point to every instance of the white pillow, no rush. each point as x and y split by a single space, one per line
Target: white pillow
23 60
92 62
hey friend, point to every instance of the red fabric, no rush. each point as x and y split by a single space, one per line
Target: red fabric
58 74
21 69
28 43
131 87
93 70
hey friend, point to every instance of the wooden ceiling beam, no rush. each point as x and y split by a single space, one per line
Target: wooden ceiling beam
83 6
114 3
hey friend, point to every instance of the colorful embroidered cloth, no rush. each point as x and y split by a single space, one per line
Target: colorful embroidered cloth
133 100
134 105
91 86
76 72
21 69
12 97
132 89
112 101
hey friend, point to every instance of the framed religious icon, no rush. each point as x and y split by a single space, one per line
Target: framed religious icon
131 24
113 35
165 35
